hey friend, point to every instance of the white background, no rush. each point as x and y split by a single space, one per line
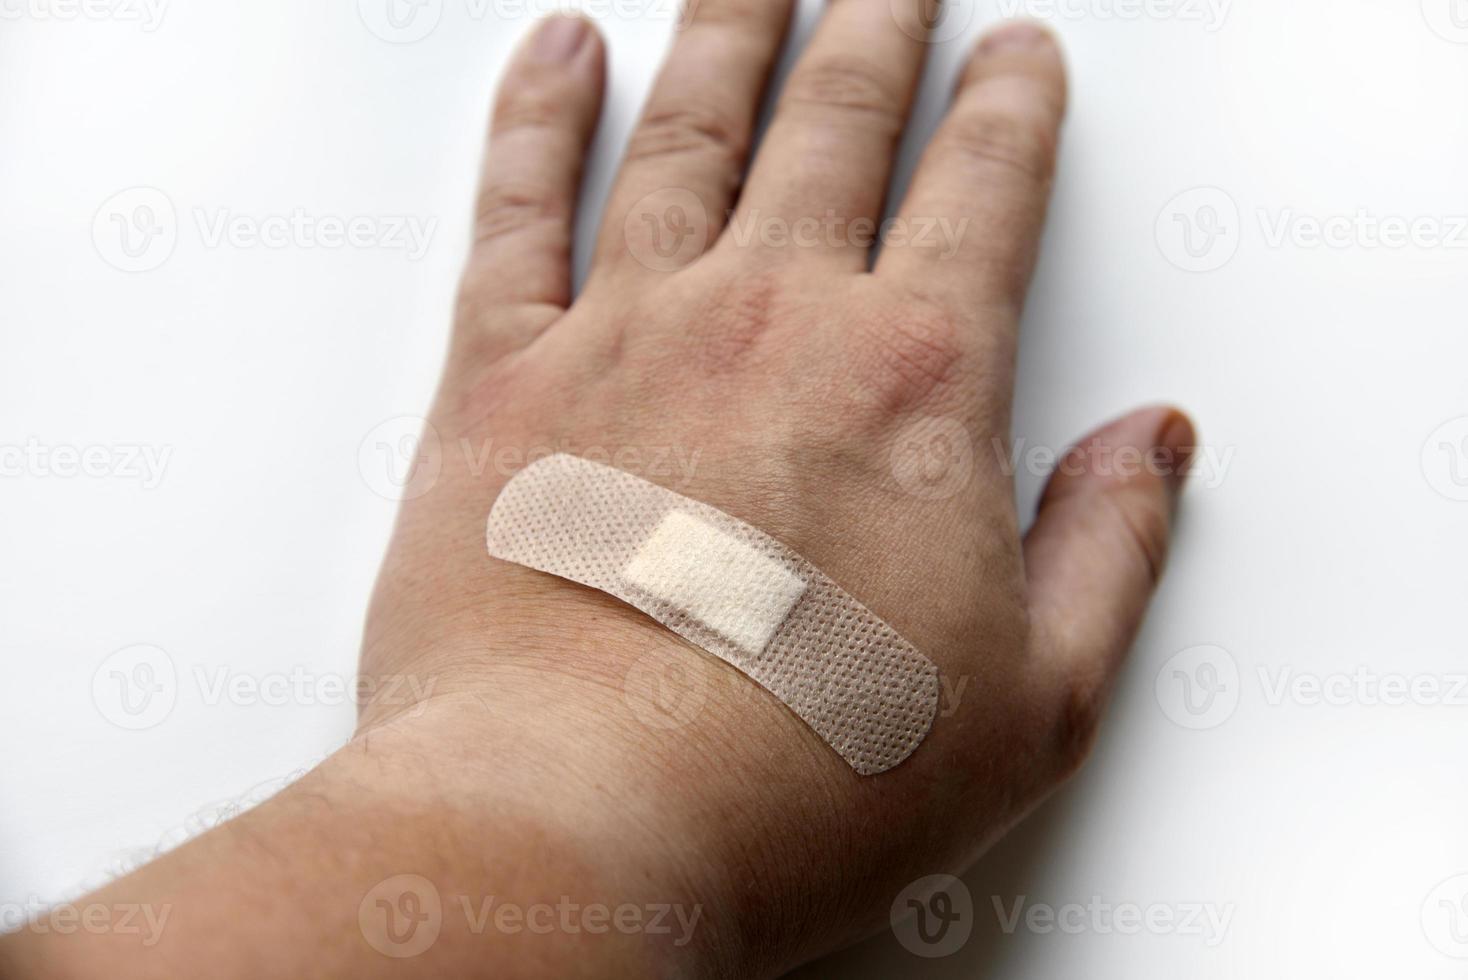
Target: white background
1324 543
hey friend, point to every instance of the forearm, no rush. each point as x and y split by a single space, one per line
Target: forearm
390 859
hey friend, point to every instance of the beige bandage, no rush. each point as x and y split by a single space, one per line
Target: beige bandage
730 589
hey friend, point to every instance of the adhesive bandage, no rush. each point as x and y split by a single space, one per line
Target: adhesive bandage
730 589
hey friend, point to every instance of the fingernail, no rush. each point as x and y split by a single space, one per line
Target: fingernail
1175 444
558 39
1015 35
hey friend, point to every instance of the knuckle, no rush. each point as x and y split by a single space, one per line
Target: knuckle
1081 705
1144 520
687 128
993 135
737 327
847 83
527 108
506 209
486 379
910 357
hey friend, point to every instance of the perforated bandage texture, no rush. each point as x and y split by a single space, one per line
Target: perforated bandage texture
730 589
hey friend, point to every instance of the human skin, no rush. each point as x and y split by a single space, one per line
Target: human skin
805 383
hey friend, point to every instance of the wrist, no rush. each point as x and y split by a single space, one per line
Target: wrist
552 840
528 862
664 767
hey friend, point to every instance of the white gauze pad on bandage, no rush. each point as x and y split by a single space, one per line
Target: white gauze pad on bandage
730 589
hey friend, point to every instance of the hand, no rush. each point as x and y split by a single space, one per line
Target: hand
573 751
857 414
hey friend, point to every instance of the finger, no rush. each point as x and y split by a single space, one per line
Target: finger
1098 545
983 184
518 277
685 158
827 156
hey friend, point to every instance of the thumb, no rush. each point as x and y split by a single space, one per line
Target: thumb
1099 543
